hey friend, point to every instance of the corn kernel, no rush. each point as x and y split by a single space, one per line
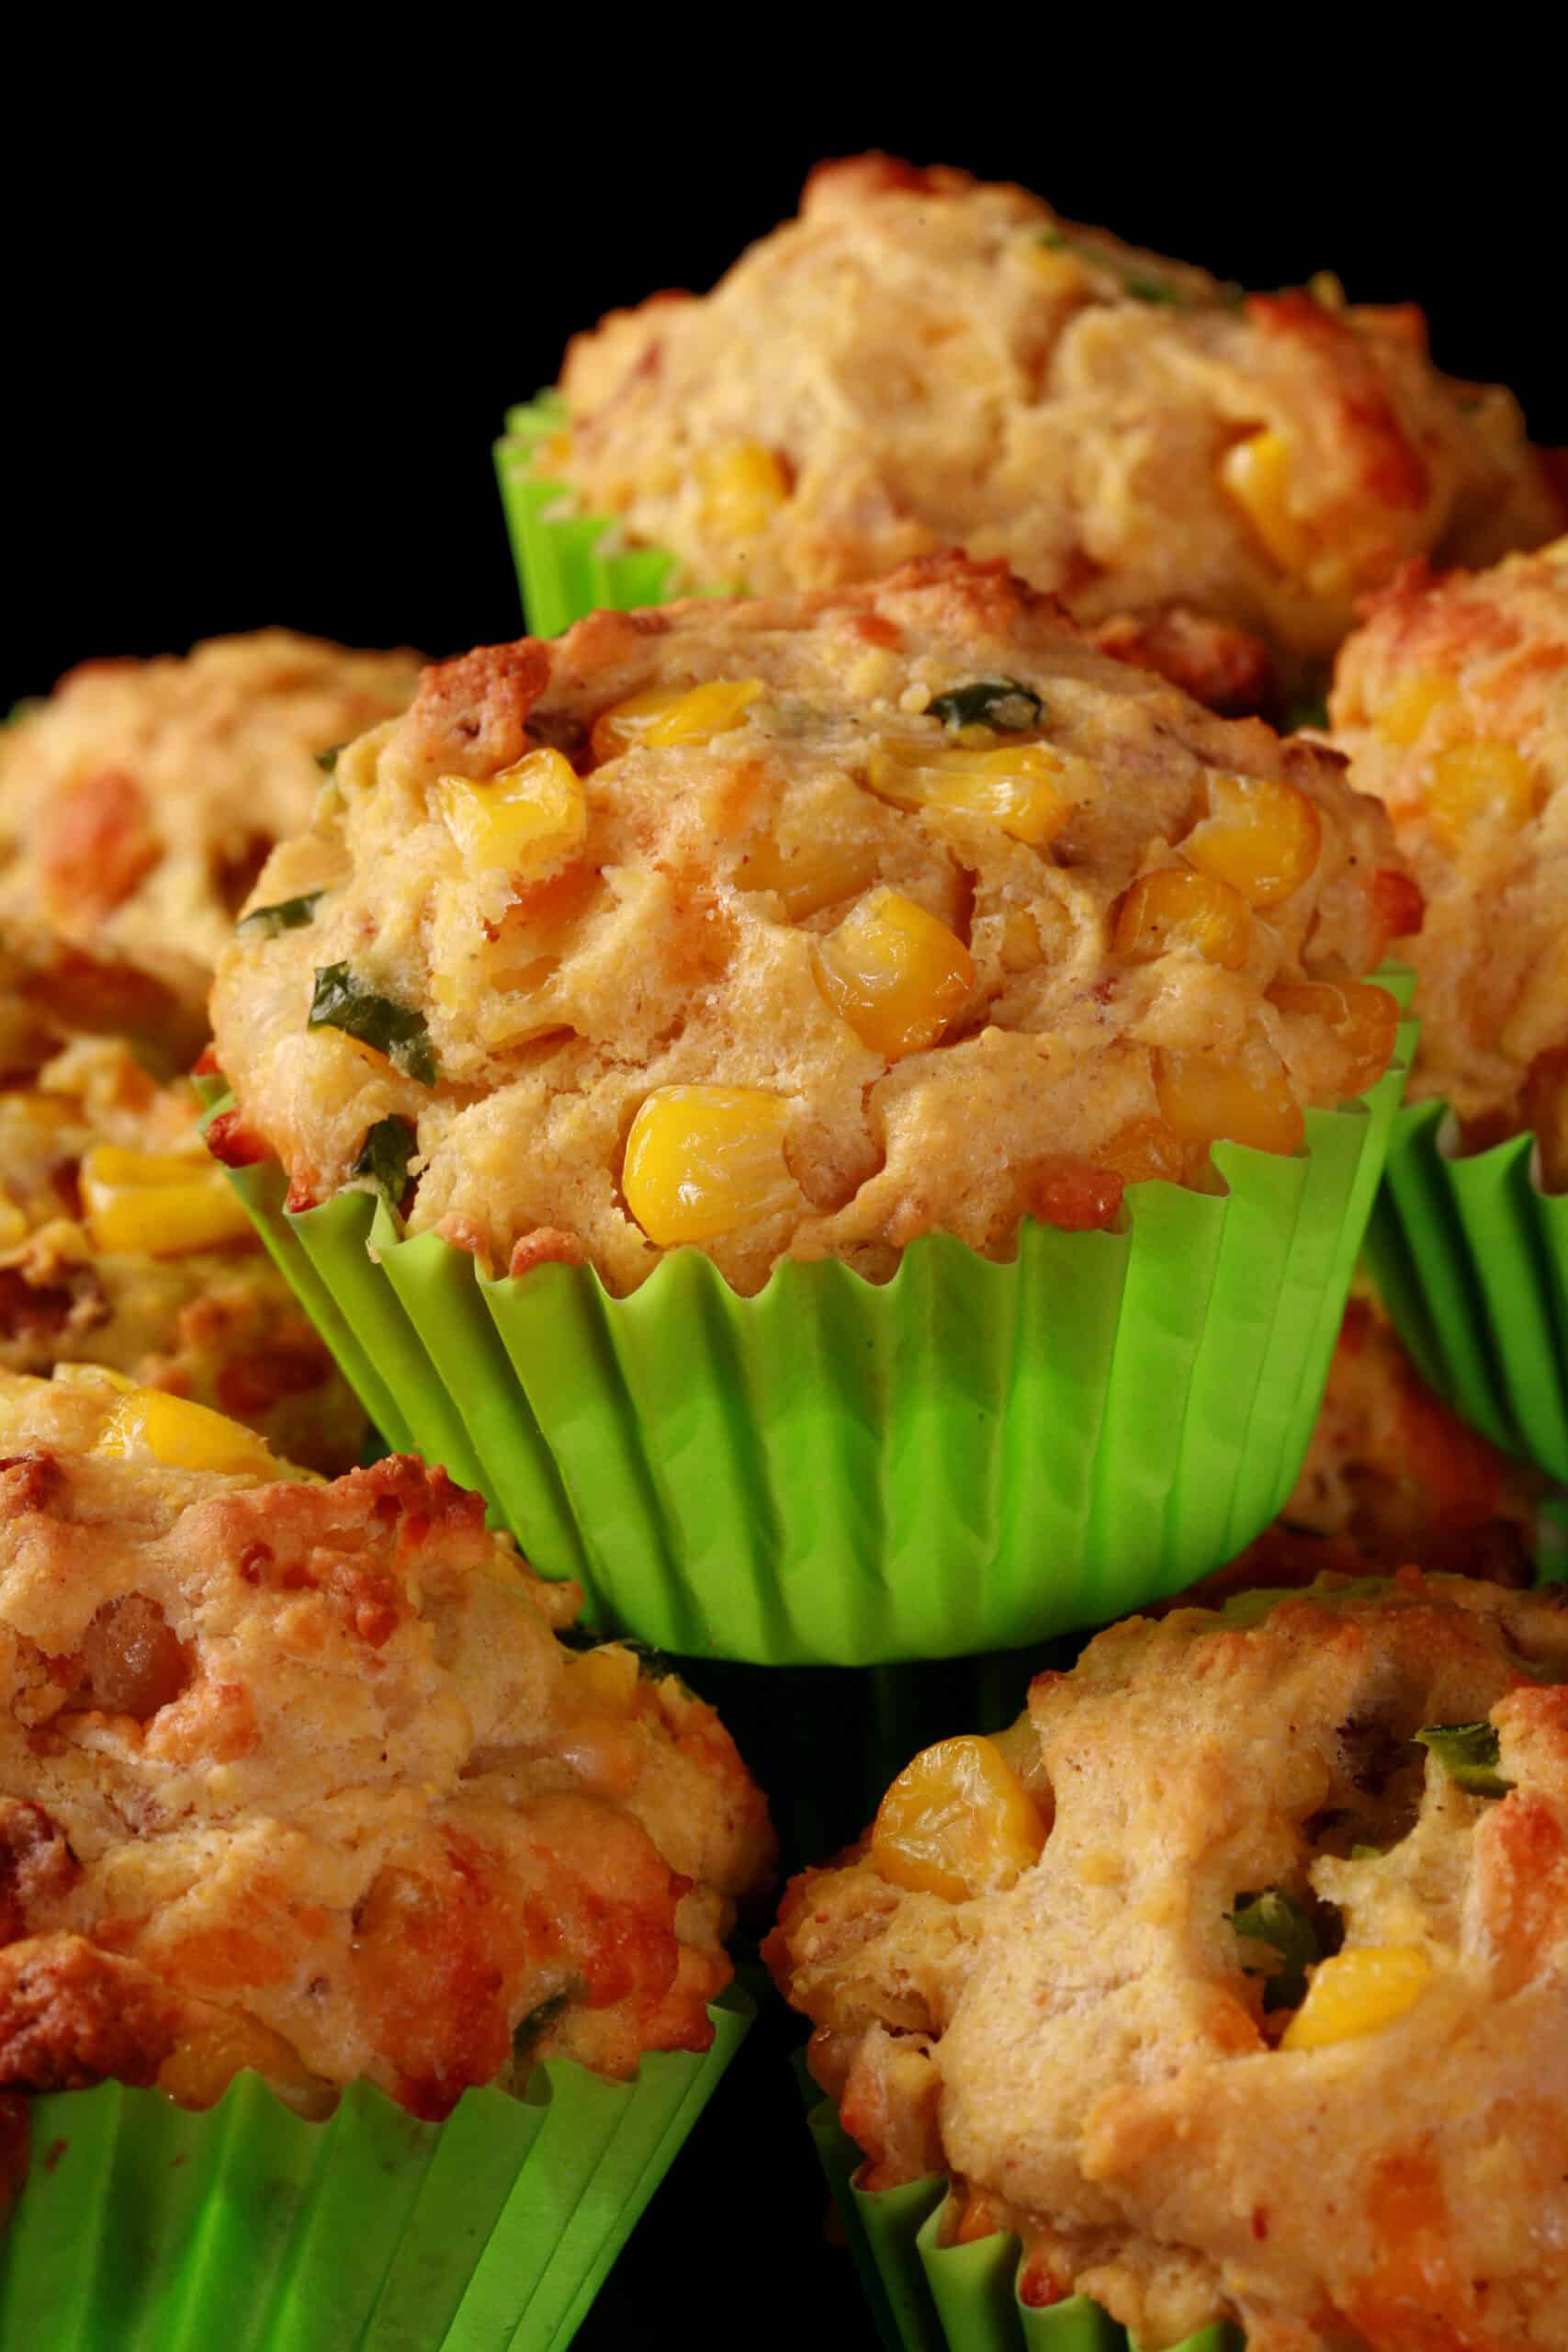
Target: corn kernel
1175 909
957 1822
1260 836
1478 783
1145 1150
159 1203
1365 1021
1020 787
743 484
811 875
1059 273
13 1222
527 820
665 716
182 1436
602 1681
1326 289
1257 473
205 2061
1402 717
1020 1749
1207 1100
1357 1992
702 1159
895 973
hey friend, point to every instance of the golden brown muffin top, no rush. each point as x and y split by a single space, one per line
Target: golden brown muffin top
298 1775
139 801
1236 1982
923 360
1452 702
802 926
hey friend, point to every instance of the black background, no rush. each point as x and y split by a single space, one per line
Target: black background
266 309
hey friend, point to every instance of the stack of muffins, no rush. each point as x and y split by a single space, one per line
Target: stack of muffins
825 1107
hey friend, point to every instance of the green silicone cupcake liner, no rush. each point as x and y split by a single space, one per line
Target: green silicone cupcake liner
143 2228
969 1457
567 564
930 2298
1472 1260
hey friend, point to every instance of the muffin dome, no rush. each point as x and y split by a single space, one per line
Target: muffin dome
1234 1985
923 360
299 1776
139 801
1452 702
803 927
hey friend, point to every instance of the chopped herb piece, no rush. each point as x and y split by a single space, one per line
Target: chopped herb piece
537 2019
1366 1853
384 1157
1000 702
327 761
1311 711
1275 1918
1136 281
289 914
1468 1753
341 1002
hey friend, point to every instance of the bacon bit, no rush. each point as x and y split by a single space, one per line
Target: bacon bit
875 629
252 1384
1074 1194
36 1864
28 1481
302 1195
1225 667
470 715
72 2016
1398 903
464 1234
33 1312
546 1246
1259 2222
1522 1869
96 845
229 1139
207 1063
1390 469
1038 2287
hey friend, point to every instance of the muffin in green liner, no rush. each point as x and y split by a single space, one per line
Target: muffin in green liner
1472 1256
564 566
864 1472
926 2297
148 2228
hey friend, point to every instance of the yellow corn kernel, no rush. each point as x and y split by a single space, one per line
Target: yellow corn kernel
205 2061
1326 289
1020 1749
602 1681
13 1222
1478 783
1206 1099
1021 787
703 1159
1403 716
97 1376
1257 474
810 875
553 454
1174 908
743 484
895 973
1059 273
182 1436
1144 1151
528 820
159 1203
664 717
957 1822
1260 836
1357 1992
1364 1018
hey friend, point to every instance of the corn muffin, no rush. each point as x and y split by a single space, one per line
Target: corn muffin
139 801
923 360
1392 1476
119 1241
1233 1977
304 1777
803 927
1453 704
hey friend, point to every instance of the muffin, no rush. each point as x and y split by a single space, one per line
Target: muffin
119 1241
782 935
316 1815
1230 1979
139 801
1451 702
923 360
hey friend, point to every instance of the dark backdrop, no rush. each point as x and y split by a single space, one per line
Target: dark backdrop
266 312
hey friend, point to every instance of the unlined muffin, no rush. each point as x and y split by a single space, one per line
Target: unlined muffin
923 360
1231 1978
1451 701
139 801
301 1777
120 1243
801 928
